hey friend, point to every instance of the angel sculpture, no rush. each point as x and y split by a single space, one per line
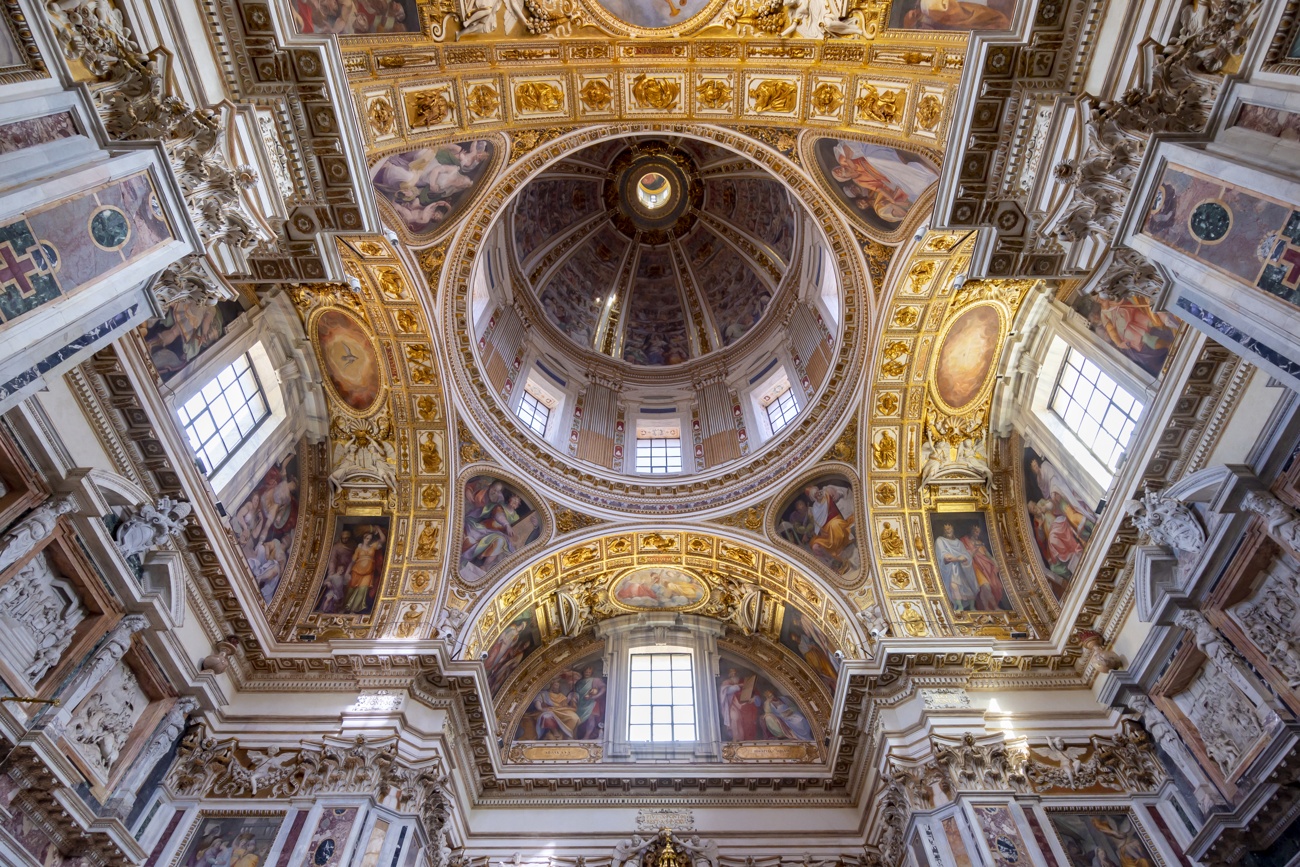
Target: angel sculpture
1067 758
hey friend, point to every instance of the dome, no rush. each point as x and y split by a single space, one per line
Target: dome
653 251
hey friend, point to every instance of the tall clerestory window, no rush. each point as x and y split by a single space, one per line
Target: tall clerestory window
224 413
1095 408
661 697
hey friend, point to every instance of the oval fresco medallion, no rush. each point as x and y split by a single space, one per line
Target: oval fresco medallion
658 588
349 358
965 362
653 14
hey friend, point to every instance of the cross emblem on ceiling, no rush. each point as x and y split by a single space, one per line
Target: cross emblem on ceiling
16 268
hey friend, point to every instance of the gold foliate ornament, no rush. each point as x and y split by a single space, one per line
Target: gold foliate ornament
886 107
774 96
900 579
928 111
483 101
884 451
427 407
538 96
827 98
428 107
886 493
371 248
596 95
887 403
419 582
407 321
713 94
891 544
431 497
657 93
426 547
381 116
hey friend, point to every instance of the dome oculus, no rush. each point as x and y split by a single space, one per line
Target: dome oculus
653 190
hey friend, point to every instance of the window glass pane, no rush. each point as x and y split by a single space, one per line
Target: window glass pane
534 413
1096 409
659 455
224 413
668 705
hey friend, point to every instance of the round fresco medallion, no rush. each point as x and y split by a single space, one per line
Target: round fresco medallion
1210 221
658 588
966 358
109 228
654 14
349 358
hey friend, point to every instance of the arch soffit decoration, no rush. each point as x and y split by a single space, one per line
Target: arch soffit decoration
407 423
817 428
917 312
717 559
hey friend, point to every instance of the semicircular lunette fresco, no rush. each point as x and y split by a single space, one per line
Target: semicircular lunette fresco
751 707
349 358
876 184
966 358
570 705
498 521
430 187
818 518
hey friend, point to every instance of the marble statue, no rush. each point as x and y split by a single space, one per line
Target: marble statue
148 526
23 538
1168 522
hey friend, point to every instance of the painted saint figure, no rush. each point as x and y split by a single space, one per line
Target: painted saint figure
367 559
956 569
831 507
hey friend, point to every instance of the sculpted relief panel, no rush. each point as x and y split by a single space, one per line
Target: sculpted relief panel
40 611
1229 724
103 722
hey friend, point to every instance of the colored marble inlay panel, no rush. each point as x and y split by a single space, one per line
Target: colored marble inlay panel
1231 332
956 842
1270 121
1241 233
58 249
33 131
330 840
1000 832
